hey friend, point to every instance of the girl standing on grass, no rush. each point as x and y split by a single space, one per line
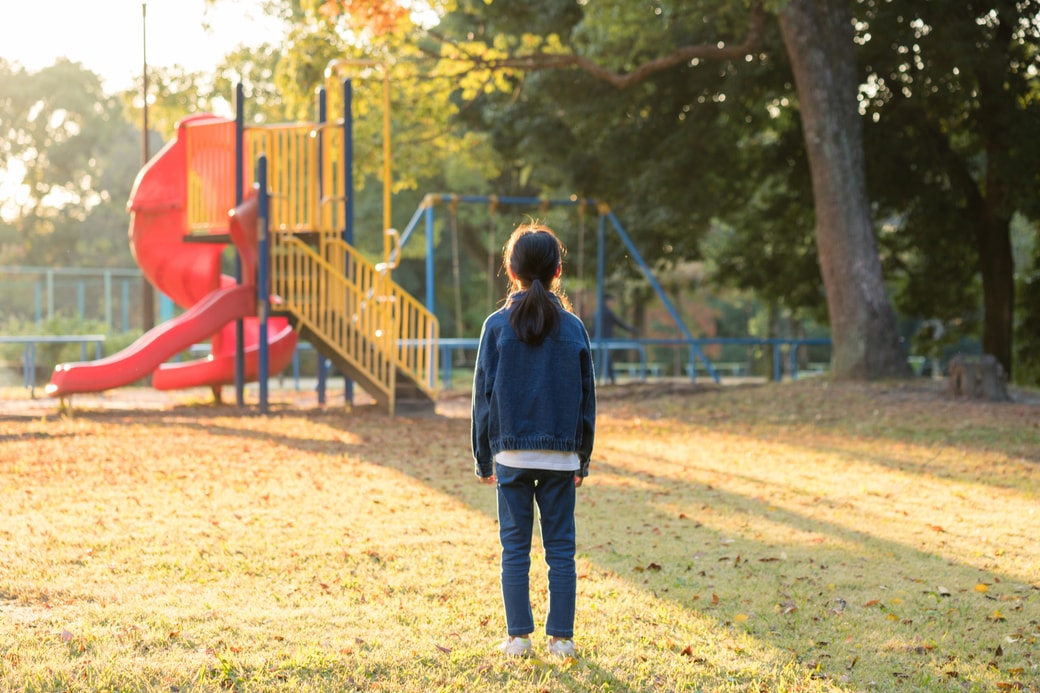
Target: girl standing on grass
533 423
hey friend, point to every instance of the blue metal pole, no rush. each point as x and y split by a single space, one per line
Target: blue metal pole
662 295
348 193
601 262
348 159
262 284
29 372
50 294
108 299
429 259
322 118
240 339
125 301
412 223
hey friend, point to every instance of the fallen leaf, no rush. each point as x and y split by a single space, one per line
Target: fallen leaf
740 618
982 587
714 599
445 650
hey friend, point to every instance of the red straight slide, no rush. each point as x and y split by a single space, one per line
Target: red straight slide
162 342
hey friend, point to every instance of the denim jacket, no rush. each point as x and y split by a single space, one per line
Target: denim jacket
533 397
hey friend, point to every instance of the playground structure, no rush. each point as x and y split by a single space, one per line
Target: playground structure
282 195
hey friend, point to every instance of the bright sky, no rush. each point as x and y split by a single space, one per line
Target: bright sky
106 35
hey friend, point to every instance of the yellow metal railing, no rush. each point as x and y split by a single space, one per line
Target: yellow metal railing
414 331
292 173
329 305
370 320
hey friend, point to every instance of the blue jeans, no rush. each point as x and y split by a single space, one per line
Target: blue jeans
519 490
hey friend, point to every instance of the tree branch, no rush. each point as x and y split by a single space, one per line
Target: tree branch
622 80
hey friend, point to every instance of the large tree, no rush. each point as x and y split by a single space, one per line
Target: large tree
641 42
818 35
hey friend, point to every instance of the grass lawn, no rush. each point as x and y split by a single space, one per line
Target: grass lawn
804 536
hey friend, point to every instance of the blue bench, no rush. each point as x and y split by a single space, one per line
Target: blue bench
29 353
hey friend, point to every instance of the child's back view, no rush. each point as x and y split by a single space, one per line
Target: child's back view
533 424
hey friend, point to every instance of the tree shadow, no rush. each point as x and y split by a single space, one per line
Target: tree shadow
656 532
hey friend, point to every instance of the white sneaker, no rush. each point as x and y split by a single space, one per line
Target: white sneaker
561 648
516 647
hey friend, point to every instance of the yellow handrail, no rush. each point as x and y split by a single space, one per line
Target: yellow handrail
414 330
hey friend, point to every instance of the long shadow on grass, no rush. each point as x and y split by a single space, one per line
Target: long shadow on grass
1013 423
686 562
690 562
1011 475
629 533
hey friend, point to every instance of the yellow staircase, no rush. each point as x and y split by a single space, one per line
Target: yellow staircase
349 308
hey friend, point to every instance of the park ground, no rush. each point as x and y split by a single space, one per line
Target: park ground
808 536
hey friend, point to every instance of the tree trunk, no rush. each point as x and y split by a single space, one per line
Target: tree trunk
998 289
993 234
865 343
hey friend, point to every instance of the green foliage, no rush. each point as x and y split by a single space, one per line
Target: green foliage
66 142
700 143
951 115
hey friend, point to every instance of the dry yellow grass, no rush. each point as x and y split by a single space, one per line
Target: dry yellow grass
803 536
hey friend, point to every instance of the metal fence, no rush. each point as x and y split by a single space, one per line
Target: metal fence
37 295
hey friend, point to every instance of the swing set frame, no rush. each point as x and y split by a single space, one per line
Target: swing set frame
425 213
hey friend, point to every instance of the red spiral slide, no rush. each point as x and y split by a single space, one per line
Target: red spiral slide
189 273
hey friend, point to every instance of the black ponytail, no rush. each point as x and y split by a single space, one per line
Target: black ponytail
532 259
